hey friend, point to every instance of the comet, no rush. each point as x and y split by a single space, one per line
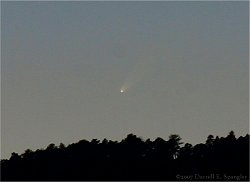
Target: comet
143 64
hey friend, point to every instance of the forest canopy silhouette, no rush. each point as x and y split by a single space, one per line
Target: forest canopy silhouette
219 158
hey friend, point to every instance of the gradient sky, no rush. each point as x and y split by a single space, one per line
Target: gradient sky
63 65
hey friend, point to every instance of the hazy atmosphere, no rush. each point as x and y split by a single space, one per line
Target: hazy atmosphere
182 66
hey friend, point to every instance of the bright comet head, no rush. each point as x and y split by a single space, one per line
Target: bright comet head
122 91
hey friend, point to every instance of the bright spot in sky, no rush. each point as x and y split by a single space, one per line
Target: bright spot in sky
122 91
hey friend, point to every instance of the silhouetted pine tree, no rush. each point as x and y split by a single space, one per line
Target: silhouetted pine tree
131 159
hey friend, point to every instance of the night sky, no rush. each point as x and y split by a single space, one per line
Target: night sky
184 67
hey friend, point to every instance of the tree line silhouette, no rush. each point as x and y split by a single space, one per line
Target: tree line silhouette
219 158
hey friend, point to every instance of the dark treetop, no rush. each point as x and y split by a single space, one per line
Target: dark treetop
219 158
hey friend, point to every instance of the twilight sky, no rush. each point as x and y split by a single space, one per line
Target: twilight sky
184 67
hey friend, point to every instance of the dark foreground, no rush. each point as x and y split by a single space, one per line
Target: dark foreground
218 159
